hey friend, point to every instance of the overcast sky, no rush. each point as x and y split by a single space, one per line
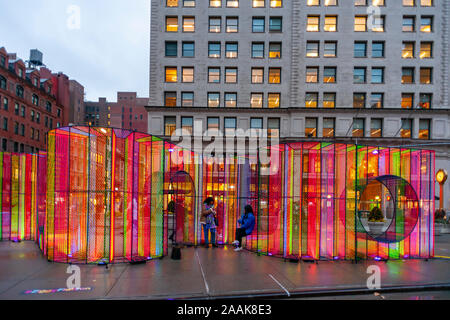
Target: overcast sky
108 51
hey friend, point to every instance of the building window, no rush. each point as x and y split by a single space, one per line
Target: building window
407 75
424 129
312 49
330 24
329 75
328 127
359 100
275 24
188 24
5 104
311 127
215 24
378 3
257 75
377 75
258 3
360 49
170 99
19 91
426 3
187 124
187 74
171 48
215 3
231 75
313 3
188 3
23 111
258 50
426 50
171 74
376 128
214 49
16 127
312 74
38 117
172 3
213 125
329 50
2 82
214 75
35 100
359 75
275 75
256 100
313 23
16 109
360 2
426 100
358 127
22 130
213 99
406 129
32 115
408 50
232 24
230 99
232 3
188 49
426 75
426 24
229 126
311 99
377 49
409 24
5 124
407 100
378 24
360 23
171 24
231 50
409 3
187 99
273 127
4 144
258 24
275 50
256 125
273 100
377 100
276 3
329 100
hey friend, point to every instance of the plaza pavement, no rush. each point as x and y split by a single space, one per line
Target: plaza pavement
215 273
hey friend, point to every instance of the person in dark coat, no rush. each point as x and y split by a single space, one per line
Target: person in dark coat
247 224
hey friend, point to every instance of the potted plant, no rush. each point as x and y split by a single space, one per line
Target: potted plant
376 221
439 222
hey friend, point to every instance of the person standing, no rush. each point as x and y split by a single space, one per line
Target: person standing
247 224
207 220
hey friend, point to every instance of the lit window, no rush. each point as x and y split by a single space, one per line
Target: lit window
376 100
188 74
329 75
256 100
215 24
214 50
407 75
258 3
330 3
257 75
376 128
425 100
426 3
232 25
274 50
426 75
328 127
274 75
407 100
276 3
409 3
187 124
426 24
329 100
360 23
232 3
378 24
187 99
330 48
171 74
231 75
230 99
213 99
313 2
378 3
170 99
188 3
214 75
188 24
360 2
312 49
213 125
358 127
273 127
330 24
406 129
172 3
311 99
273 100
311 127
408 50
312 74
231 50
215 3
171 24
313 23
424 129
170 125
426 50
359 100
408 24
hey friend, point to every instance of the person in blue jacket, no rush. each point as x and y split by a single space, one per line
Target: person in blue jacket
247 223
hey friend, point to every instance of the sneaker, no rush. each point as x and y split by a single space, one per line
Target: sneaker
238 249
235 242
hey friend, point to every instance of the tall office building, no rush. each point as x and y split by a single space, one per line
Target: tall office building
367 71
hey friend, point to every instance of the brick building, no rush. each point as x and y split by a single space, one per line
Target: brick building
76 113
32 103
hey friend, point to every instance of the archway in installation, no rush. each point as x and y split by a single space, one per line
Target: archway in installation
182 204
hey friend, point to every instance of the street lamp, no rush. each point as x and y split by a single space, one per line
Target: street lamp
441 177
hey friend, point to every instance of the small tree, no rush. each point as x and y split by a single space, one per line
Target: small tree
376 215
